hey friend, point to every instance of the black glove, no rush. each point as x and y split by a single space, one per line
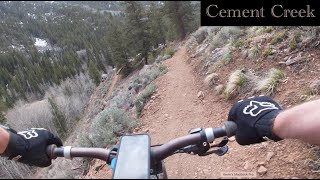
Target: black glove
254 118
29 147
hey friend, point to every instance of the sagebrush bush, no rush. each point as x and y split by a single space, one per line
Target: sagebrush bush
278 37
169 51
269 84
236 81
200 34
110 124
254 31
148 74
143 97
227 57
226 34
10 169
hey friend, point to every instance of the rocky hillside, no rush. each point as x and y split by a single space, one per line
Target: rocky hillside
239 62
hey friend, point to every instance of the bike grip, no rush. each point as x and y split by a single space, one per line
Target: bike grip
230 128
50 151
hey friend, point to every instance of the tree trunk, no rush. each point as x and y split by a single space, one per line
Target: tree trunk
180 24
146 59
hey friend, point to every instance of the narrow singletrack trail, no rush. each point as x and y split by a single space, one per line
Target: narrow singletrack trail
177 108
180 109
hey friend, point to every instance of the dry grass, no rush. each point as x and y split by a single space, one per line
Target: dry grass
254 52
219 89
278 37
236 81
269 84
267 52
211 79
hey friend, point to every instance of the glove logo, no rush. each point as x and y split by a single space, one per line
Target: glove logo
255 108
28 134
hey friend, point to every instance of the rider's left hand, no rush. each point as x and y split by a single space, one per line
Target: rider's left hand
29 147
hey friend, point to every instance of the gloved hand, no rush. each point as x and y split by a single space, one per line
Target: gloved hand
254 118
29 147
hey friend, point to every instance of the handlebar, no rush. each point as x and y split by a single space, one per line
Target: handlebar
99 153
158 153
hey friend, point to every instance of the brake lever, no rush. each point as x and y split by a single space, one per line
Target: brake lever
223 142
220 152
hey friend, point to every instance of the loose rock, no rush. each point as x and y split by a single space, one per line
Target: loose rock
262 170
200 95
269 156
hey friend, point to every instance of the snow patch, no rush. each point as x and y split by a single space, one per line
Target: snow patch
40 42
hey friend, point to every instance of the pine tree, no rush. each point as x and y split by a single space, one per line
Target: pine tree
157 29
59 120
180 14
137 30
93 72
117 47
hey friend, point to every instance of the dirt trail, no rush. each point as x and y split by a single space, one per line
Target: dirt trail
176 108
115 79
180 109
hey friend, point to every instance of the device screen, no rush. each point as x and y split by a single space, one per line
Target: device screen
133 158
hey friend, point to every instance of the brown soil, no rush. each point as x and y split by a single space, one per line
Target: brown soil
176 108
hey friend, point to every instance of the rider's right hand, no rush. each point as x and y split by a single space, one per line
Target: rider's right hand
254 118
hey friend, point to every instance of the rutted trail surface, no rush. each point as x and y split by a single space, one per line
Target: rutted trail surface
177 107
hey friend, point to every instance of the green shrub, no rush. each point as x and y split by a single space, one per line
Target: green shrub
254 52
163 68
280 36
268 29
295 40
170 51
110 124
143 97
225 34
238 43
227 57
297 37
293 44
267 52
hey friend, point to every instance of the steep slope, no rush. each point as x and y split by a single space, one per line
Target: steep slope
179 106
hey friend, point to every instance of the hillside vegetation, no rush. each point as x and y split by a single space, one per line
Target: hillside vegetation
281 62
58 61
